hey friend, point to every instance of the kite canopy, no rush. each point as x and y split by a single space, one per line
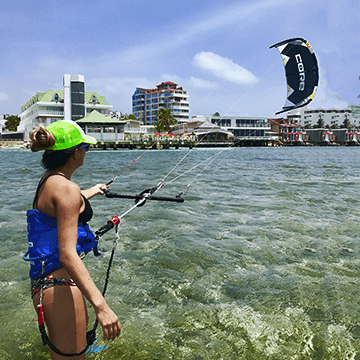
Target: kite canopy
301 70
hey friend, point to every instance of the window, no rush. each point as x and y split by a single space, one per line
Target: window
94 100
93 129
56 97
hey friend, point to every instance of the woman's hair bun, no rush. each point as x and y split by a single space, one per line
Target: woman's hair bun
41 139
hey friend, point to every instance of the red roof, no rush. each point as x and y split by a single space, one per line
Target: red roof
161 87
167 83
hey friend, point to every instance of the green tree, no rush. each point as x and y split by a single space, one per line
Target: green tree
346 122
216 114
320 123
130 117
165 120
12 122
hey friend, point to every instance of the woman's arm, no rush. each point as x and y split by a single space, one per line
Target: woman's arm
95 190
67 212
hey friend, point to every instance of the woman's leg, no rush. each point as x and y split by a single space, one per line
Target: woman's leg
65 316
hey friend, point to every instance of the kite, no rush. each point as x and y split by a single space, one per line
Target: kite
301 70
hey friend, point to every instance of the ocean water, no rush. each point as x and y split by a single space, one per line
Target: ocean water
261 261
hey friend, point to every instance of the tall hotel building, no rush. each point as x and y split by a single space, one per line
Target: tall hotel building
146 102
71 103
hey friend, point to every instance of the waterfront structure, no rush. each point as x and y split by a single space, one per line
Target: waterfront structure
346 136
242 127
203 131
334 118
287 133
70 103
134 129
104 129
147 102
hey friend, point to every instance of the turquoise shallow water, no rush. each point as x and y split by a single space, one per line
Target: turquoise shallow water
261 261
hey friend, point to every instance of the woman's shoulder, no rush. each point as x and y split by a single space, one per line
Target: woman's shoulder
63 186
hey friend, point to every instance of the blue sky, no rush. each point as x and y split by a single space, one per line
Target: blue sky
123 44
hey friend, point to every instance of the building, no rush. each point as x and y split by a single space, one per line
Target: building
115 114
202 131
287 133
103 128
334 118
134 129
146 102
70 103
256 128
2 122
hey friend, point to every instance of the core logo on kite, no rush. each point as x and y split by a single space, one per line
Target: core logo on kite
301 72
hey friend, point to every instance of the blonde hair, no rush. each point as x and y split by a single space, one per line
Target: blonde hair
41 139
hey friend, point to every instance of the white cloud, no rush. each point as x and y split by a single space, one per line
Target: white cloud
224 68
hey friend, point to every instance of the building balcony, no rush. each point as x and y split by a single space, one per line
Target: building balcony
248 126
98 106
49 113
180 96
179 106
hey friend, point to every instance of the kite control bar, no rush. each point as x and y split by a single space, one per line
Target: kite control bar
146 194
139 201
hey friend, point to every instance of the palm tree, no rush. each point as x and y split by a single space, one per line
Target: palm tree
346 122
320 124
165 120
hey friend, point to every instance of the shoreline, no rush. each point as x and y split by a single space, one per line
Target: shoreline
131 145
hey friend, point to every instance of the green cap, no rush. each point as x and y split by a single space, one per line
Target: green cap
67 134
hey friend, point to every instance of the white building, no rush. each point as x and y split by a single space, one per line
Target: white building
2 122
72 102
115 114
147 102
335 117
240 126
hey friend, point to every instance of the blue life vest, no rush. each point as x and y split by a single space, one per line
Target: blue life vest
43 244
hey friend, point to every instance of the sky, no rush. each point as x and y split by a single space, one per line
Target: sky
216 50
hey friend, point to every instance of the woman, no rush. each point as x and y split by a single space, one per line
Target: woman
57 235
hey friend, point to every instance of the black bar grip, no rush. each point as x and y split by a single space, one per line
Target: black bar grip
174 199
104 229
139 197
